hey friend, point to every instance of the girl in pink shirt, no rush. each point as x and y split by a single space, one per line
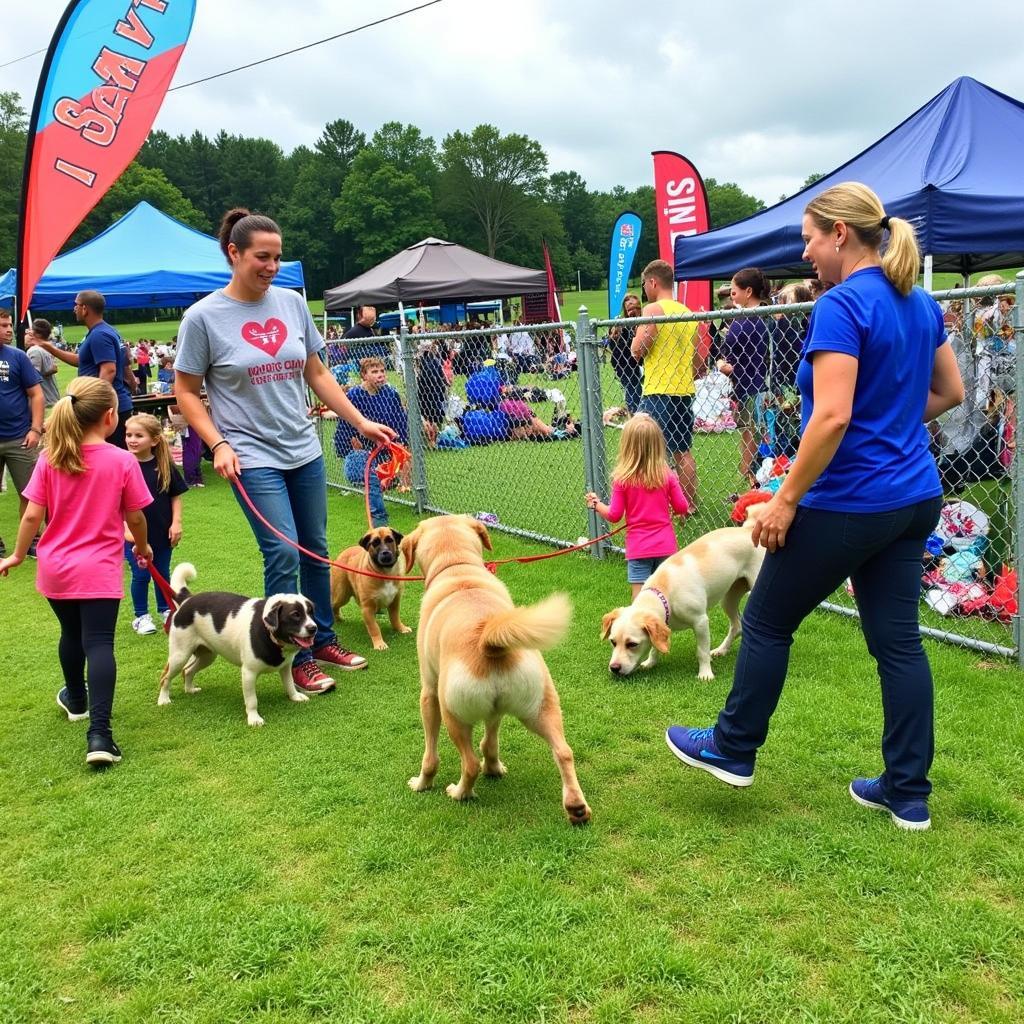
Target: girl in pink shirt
647 492
87 489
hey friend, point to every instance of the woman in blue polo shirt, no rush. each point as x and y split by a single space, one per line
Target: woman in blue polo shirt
861 499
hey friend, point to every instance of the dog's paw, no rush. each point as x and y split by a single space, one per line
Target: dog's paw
456 792
705 675
420 785
192 688
578 814
163 698
493 771
254 719
299 697
718 651
379 645
647 663
403 628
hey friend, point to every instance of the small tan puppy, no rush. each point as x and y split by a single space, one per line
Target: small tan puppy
718 568
377 551
480 658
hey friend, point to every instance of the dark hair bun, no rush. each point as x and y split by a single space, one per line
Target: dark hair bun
229 220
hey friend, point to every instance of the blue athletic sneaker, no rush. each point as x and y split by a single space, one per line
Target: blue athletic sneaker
908 814
697 747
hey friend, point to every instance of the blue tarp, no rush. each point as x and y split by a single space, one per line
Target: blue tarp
144 260
953 168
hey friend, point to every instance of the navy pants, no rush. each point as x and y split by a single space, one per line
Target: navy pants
881 552
87 641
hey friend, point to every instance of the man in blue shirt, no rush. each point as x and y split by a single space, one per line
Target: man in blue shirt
100 355
21 412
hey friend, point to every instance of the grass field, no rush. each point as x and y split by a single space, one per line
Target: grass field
221 873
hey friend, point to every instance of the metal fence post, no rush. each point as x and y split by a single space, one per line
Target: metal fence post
416 445
593 435
1018 466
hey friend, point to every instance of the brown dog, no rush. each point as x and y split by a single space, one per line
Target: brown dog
480 658
377 551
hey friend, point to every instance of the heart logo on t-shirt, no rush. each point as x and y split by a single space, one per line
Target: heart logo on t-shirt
268 337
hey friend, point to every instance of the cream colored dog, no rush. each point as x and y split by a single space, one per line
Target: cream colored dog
718 568
479 658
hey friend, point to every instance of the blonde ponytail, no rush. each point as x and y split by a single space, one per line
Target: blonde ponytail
84 405
860 209
902 258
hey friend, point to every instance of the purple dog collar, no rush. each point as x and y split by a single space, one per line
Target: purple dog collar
662 598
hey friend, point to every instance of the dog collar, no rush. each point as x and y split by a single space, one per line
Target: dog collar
662 598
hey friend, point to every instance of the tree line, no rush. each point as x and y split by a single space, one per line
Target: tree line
349 201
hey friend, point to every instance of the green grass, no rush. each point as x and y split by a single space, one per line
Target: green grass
222 873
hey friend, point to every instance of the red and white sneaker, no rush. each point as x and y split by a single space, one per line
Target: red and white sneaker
309 678
334 654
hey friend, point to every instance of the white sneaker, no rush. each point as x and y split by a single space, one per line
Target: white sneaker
165 615
143 624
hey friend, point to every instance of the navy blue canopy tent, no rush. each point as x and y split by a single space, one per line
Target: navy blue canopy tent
953 168
144 260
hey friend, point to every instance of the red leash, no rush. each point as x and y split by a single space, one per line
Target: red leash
165 589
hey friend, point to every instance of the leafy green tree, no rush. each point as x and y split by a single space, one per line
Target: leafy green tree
384 209
307 215
138 184
13 135
192 165
492 179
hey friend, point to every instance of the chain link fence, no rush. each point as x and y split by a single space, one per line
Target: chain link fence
517 423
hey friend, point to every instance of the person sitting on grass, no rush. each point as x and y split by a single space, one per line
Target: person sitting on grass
378 401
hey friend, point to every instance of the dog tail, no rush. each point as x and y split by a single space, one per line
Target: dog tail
536 628
183 575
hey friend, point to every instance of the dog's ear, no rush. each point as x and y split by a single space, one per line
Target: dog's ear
606 622
364 541
485 537
408 549
659 633
272 617
397 536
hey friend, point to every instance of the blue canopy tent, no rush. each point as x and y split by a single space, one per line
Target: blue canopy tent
953 169
142 261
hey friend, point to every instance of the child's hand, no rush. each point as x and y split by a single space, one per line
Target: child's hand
9 563
592 500
143 555
174 534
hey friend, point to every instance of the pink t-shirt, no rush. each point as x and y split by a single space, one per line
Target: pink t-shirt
649 532
81 551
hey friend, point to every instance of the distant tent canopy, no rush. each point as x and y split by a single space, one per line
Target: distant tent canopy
145 260
953 169
435 270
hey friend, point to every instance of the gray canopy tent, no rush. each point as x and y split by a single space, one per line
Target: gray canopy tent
435 270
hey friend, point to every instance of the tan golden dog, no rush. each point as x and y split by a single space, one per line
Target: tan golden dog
480 658
377 551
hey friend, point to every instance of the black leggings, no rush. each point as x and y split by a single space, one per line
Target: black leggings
87 638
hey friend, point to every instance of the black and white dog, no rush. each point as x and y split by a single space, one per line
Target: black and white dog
258 634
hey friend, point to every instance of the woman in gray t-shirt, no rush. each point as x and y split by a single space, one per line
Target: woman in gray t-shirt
257 349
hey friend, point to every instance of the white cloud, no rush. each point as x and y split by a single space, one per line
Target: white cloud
750 94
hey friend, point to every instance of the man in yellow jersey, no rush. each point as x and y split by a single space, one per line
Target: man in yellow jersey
671 359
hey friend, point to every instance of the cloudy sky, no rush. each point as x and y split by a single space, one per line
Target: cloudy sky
755 93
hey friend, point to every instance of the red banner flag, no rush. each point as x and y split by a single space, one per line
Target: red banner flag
554 314
108 66
681 206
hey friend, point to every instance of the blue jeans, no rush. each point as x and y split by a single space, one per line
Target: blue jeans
881 553
355 473
141 579
295 501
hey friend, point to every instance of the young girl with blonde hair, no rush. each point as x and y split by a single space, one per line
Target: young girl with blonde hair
646 492
145 439
87 489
